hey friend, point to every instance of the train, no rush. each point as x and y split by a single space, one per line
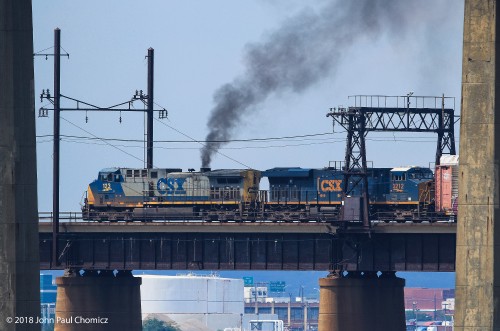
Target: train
398 194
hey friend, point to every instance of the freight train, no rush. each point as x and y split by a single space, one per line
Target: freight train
294 194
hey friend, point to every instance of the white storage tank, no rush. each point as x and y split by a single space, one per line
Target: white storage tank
197 302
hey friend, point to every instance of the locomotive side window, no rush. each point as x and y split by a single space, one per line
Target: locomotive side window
136 173
129 173
399 177
154 174
144 173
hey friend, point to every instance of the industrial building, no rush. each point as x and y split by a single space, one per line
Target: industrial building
296 315
429 304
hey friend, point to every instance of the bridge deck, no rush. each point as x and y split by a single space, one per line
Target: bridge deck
258 227
250 246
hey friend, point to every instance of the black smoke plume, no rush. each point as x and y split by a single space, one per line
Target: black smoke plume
305 49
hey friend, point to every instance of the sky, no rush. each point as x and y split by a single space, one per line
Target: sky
277 53
291 61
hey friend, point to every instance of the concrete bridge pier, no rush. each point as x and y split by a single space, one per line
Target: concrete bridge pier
98 300
361 301
19 257
478 226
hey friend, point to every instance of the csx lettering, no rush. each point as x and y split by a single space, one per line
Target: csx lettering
331 185
170 185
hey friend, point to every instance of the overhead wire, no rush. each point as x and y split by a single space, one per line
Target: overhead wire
107 143
197 141
204 145
317 141
304 137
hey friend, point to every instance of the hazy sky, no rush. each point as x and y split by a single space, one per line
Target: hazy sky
391 48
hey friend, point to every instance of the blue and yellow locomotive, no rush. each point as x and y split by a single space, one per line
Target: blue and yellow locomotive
146 194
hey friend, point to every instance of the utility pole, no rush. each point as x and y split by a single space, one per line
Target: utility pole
55 99
57 130
149 145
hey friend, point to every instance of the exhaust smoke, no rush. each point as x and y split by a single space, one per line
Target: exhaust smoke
305 49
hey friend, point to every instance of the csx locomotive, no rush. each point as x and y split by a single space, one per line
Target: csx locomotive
126 194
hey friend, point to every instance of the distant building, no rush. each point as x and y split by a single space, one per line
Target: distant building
255 293
429 309
48 290
48 294
426 299
296 315
195 303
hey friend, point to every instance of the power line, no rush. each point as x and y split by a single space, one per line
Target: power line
304 137
107 143
284 138
202 144
240 147
129 154
289 138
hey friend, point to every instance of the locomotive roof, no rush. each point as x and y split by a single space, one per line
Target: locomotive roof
408 168
226 172
287 172
112 169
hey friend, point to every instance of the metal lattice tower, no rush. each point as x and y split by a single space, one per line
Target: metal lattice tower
395 114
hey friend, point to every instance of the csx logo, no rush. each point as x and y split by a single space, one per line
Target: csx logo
331 185
171 185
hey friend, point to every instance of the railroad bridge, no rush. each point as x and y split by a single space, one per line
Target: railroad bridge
362 263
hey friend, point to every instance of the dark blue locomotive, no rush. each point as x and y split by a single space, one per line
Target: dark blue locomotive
394 193
321 186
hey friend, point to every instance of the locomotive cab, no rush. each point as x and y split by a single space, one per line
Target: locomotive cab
405 183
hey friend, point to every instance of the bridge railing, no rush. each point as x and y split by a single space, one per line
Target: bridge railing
407 101
69 216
